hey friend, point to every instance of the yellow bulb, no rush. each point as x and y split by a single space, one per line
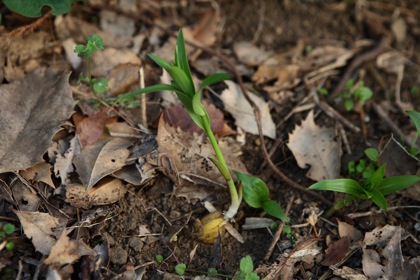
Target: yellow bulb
209 227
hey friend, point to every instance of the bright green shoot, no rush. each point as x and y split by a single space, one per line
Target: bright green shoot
355 96
374 188
183 86
246 267
93 43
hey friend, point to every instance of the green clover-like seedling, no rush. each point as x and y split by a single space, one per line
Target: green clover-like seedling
180 269
246 268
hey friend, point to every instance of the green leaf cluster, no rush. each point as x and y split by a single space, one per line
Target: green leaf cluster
256 194
33 8
355 96
362 167
247 270
374 188
6 230
93 43
180 269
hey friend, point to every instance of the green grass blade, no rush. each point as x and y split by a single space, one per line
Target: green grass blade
181 59
160 61
215 78
149 89
273 208
348 186
376 178
181 81
415 116
198 107
378 198
396 183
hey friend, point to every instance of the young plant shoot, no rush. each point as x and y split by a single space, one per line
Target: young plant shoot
374 188
254 190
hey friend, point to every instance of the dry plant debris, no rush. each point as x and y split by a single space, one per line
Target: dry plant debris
100 190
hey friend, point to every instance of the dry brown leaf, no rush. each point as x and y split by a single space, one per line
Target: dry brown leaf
109 58
66 251
349 273
317 147
371 264
41 228
177 116
40 172
64 159
185 159
116 24
24 197
29 121
101 159
90 129
204 31
344 229
236 104
122 78
336 251
250 54
107 191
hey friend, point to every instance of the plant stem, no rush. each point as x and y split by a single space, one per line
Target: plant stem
234 205
339 205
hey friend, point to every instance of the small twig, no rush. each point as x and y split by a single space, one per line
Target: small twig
278 232
379 211
142 98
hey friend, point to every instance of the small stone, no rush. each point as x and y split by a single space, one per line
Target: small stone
136 244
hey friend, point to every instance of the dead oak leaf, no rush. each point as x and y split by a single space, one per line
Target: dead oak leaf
41 228
336 251
31 112
66 251
317 147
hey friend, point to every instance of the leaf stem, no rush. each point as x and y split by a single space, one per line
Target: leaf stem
235 201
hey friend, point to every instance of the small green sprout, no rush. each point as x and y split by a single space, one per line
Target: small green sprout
255 191
247 270
355 96
180 269
374 188
93 43
322 91
5 230
362 168
159 259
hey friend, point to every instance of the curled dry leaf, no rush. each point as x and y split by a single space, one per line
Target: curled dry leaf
107 191
317 147
101 159
241 110
42 228
90 129
336 251
40 172
29 121
66 251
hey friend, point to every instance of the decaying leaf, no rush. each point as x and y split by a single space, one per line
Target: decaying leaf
107 191
90 129
40 172
29 121
317 147
101 159
250 54
236 104
42 228
349 273
344 229
336 251
185 159
66 251
204 31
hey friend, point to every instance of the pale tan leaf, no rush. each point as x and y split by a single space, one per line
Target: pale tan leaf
66 251
236 104
40 172
107 191
104 61
349 273
317 147
31 112
344 229
42 228
250 54
371 262
101 159
204 31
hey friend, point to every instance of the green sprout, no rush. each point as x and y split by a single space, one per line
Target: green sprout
180 269
374 188
254 190
355 96
159 259
93 43
415 117
5 230
247 270
363 168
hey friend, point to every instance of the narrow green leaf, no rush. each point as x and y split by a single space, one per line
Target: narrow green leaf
348 186
160 61
213 79
378 198
198 107
181 59
275 210
396 183
415 117
254 190
181 81
376 178
149 89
